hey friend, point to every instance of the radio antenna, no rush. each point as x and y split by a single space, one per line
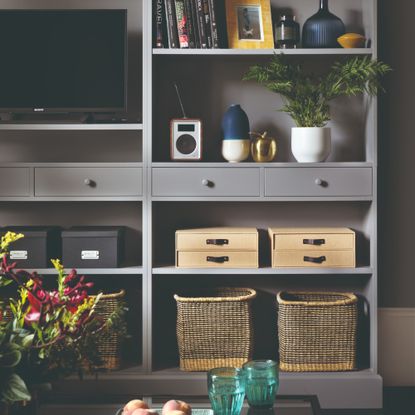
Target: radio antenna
180 100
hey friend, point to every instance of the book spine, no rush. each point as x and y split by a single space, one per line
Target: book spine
201 23
189 23
181 24
207 23
159 24
171 24
213 25
193 8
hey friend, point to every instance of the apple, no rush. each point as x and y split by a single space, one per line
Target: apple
131 406
143 411
175 405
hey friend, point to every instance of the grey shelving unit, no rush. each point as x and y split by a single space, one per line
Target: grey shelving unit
169 196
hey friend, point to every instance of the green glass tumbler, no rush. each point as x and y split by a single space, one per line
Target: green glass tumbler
226 387
262 383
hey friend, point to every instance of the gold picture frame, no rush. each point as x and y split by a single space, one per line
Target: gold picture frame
249 24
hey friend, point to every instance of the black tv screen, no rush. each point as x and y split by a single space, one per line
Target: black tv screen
63 60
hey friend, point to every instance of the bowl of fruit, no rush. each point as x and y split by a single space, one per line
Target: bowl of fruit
171 407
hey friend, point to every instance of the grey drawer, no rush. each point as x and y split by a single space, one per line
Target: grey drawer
204 181
336 181
88 181
15 182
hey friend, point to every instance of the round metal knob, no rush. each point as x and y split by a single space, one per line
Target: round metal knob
206 182
318 182
89 182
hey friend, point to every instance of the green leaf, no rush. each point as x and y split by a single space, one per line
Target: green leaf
14 389
10 356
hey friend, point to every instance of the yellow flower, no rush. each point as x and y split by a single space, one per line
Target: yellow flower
9 238
57 264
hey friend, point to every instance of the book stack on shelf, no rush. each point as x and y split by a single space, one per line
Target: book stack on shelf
190 24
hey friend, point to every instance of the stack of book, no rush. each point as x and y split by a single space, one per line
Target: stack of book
189 24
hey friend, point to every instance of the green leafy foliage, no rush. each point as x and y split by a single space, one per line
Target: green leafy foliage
307 96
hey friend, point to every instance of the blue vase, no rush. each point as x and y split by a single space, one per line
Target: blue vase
322 29
235 124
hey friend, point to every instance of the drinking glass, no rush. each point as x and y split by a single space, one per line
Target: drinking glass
261 382
226 386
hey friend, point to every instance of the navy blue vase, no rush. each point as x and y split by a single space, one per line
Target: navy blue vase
322 29
235 124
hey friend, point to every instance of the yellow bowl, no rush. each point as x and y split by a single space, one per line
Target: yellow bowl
352 40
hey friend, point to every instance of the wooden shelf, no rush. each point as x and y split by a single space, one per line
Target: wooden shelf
256 52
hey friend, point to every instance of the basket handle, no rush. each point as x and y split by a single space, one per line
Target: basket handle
315 260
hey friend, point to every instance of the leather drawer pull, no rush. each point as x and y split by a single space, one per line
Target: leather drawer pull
217 259
217 241
315 260
314 241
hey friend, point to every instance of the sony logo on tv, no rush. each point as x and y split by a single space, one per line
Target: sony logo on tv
38 110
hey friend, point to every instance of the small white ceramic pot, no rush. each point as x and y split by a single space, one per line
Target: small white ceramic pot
310 144
235 150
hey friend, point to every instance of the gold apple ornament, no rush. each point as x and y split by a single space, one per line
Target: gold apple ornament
263 147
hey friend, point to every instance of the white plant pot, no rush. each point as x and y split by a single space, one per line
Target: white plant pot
310 144
235 150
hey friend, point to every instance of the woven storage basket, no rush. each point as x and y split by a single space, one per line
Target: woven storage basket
109 348
215 330
317 331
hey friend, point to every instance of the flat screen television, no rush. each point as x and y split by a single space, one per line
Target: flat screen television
63 61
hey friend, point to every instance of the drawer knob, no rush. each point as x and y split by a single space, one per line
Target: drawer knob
89 182
207 183
320 182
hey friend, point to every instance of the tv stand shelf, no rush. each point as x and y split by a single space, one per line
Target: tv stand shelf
70 126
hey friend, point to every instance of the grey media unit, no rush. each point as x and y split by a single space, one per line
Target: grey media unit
46 170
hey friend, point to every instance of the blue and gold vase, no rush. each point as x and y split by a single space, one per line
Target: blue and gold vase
236 140
322 29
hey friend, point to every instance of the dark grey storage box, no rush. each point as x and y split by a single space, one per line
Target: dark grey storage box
39 245
93 247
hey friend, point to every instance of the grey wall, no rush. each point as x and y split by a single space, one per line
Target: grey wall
397 156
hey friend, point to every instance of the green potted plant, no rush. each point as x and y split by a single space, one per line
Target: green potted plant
307 96
46 333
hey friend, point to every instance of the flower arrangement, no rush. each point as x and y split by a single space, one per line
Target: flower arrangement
46 333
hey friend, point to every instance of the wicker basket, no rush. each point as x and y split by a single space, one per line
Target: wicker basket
317 331
109 348
215 330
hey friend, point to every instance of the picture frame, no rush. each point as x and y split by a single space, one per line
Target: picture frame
249 24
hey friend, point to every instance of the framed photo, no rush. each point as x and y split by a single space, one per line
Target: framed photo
249 24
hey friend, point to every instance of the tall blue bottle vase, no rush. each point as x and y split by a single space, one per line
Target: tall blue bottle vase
322 29
236 140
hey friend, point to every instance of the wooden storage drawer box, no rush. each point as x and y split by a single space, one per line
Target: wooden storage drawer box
217 248
204 181
312 247
88 181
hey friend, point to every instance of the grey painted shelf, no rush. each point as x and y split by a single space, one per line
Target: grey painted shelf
71 126
132 270
172 270
259 52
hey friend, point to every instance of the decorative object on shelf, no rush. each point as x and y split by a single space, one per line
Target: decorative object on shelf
226 388
217 248
322 29
351 40
47 333
249 24
185 136
215 328
263 147
307 96
287 32
262 383
305 344
313 247
235 128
